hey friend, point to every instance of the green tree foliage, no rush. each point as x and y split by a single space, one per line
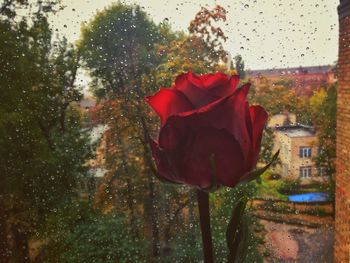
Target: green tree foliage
118 47
187 243
324 113
280 99
222 203
317 100
10 8
239 66
78 233
324 108
201 51
267 144
288 83
42 150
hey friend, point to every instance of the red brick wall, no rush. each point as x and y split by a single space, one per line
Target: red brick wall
342 219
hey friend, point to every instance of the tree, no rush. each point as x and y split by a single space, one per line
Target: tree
42 148
239 66
278 99
324 108
317 100
180 55
267 144
118 49
10 8
324 112
201 51
212 37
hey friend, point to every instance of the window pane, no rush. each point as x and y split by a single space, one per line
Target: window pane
124 123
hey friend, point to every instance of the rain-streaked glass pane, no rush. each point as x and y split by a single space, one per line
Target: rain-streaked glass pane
174 131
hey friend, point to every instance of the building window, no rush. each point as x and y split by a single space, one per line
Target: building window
305 152
305 171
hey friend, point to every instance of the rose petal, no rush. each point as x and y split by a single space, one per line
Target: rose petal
163 165
258 117
208 81
193 159
168 102
196 95
229 113
170 137
226 89
205 89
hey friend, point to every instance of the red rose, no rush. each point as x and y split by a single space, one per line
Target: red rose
204 119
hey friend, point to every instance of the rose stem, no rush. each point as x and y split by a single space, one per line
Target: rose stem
204 216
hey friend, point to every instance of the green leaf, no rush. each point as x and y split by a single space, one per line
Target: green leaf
256 174
243 243
234 233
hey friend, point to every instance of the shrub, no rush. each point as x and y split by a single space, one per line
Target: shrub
274 176
80 234
289 186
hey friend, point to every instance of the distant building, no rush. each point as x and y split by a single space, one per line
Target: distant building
280 72
298 148
87 107
304 79
87 103
87 185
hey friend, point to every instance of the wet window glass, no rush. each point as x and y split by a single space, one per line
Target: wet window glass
174 131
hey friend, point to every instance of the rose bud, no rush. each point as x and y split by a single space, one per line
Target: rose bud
209 134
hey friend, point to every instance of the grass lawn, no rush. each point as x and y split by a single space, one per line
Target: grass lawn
268 188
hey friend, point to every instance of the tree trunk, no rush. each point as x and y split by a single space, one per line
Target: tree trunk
21 251
154 216
128 182
151 172
167 218
3 234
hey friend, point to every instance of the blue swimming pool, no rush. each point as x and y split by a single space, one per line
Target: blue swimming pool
309 197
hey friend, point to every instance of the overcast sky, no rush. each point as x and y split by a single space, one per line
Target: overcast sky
267 33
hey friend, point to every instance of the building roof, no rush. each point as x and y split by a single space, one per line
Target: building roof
298 130
290 71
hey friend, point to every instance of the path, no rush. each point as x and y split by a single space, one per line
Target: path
290 243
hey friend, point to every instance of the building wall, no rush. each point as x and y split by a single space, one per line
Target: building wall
290 159
342 215
283 143
304 84
297 161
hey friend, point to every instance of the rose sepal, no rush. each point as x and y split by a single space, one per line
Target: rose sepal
258 172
